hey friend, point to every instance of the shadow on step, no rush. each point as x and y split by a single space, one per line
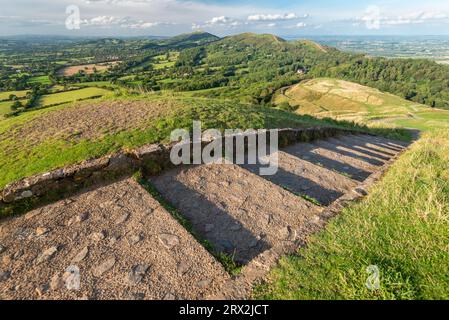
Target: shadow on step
297 184
213 223
337 147
360 147
368 145
384 143
305 152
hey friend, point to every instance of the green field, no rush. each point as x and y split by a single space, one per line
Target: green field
98 84
402 228
40 79
161 62
5 107
70 96
345 100
19 94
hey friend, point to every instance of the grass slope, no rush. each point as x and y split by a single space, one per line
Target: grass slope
402 228
345 100
27 148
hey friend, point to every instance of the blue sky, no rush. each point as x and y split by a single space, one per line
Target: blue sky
224 17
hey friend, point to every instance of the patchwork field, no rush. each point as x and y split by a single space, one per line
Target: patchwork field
345 100
165 61
87 68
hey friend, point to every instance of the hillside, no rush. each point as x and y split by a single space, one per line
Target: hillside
345 100
182 41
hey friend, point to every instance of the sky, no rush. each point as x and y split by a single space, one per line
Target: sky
224 17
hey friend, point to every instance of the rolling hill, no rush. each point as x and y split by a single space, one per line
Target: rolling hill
183 41
343 100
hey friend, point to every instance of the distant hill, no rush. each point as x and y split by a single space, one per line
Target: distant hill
256 40
184 41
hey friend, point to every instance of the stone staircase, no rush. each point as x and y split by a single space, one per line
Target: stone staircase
125 244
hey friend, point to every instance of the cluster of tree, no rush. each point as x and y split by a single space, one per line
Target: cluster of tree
422 81
190 57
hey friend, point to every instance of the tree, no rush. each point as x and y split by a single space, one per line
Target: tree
16 105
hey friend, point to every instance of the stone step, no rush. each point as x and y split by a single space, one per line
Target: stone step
307 179
393 145
125 245
238 212
338 147
327 157
354 145
364 142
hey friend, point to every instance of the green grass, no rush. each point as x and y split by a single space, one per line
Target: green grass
70 96
402 227
5 95
163 64
5 107
40 79
99 84
160 62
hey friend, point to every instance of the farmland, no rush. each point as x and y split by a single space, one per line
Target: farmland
7 94
87 68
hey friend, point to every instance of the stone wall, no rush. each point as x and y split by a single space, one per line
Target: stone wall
43 188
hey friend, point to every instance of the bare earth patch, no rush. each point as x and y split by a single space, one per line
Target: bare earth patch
87 68
90 121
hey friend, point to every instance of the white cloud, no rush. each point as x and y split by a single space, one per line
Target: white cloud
375 19
272 17
301 25
127 22
101 21
220 21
